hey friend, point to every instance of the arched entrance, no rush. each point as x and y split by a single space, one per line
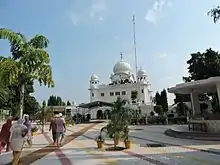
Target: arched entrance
99 114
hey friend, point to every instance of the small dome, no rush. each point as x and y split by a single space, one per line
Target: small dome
142 72
94 77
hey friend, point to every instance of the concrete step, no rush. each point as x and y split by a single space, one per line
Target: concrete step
193 135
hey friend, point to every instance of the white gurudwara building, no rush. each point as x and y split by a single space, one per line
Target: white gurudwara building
122 83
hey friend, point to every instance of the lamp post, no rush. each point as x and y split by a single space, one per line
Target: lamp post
43 114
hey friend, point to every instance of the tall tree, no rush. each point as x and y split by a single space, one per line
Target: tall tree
203 65
55 101
68 103
215 13
157 99
33 61
163 100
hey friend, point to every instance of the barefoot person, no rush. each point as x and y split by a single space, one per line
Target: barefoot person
17 139
5 135
60 130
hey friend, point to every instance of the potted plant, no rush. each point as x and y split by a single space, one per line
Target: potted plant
100 141
120 119
127 141
34 130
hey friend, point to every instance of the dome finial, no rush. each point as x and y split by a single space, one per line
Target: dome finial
121 56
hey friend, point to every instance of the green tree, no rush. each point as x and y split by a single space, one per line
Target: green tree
203 65
32 61
8 70
158 109
68 103
55 101
157 99
163 100
181 109
215 13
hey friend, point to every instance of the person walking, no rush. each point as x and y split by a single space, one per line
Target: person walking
18 132
60 130
53 128
5 135
28 124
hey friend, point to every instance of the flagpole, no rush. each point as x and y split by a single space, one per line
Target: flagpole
135 53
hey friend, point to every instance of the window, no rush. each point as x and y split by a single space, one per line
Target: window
142 91
102 94
142 101
111 94
117 93
123 92
92 94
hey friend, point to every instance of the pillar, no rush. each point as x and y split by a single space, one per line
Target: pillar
218 91
195 103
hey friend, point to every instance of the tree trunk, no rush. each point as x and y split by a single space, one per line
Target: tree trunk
43 117
22 100
115 141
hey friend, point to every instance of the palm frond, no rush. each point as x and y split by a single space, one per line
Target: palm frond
39 41
8 70
11 36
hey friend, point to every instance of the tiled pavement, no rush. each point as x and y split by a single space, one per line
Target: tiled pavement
82 150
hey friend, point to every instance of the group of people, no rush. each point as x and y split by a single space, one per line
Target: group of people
58 128
14 133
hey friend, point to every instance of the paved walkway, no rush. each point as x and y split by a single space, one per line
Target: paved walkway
80 150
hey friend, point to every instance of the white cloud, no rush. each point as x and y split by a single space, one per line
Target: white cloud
97 7
155 12
101 18
75 18
162 55
94 11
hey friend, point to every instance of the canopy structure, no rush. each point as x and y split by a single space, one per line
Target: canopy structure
95 104
195 88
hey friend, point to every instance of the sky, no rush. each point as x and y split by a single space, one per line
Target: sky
87 36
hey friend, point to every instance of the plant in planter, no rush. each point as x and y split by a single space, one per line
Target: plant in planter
127 141
120 119
100 141
34 130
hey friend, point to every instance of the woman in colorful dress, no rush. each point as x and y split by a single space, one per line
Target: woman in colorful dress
4 136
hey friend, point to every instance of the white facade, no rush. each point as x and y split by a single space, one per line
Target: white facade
122 83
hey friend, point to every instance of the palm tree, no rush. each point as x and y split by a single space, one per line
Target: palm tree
32 61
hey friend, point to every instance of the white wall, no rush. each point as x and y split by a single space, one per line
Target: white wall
106 89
